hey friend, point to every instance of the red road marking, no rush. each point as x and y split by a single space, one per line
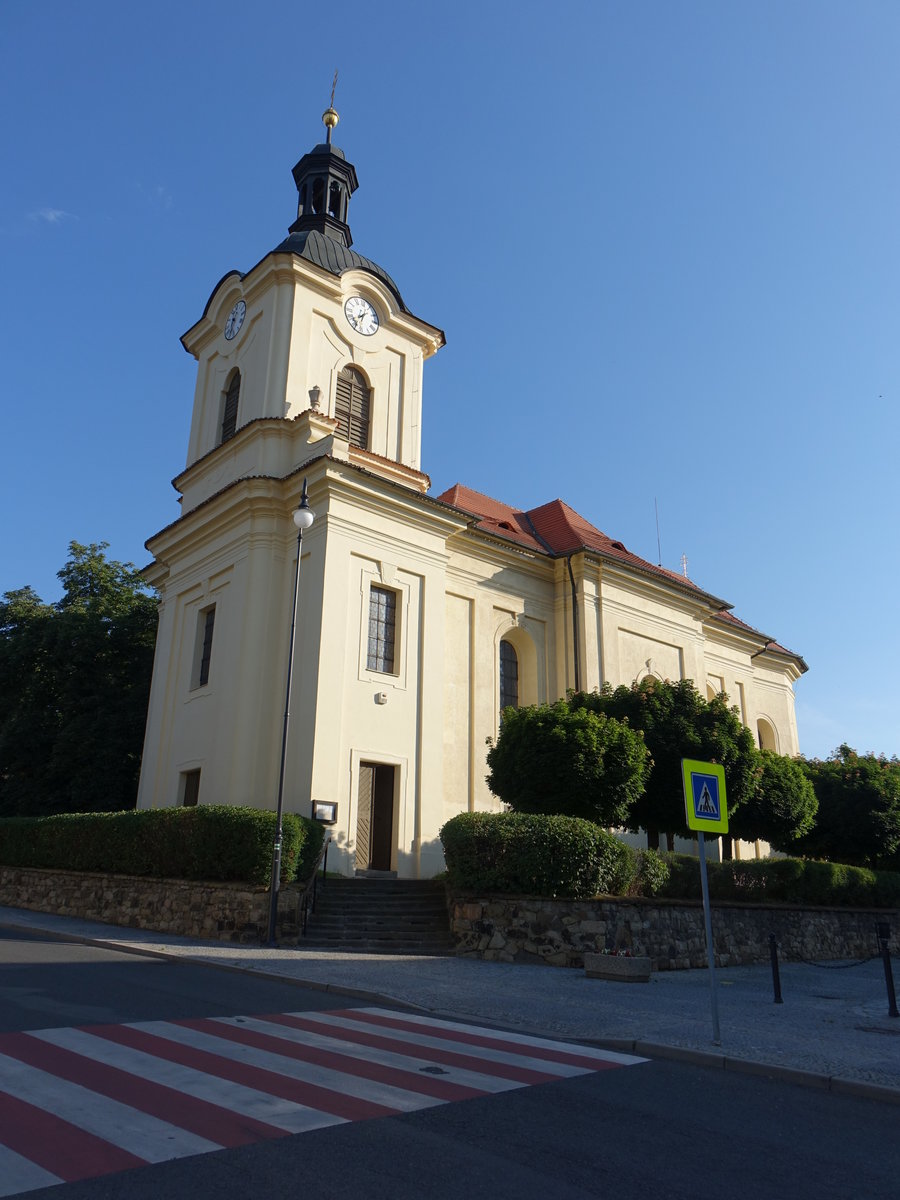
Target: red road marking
58 1146
468 1062
408 1079
570 1058
202 1117
310 1095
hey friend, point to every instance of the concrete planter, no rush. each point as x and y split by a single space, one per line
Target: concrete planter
617 968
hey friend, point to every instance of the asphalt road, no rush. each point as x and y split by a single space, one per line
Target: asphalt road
45 982
655 1129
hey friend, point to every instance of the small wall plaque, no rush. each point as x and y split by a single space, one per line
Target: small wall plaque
325 811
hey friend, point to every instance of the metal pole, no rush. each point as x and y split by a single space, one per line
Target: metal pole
776 977
710 952
275 882
884 933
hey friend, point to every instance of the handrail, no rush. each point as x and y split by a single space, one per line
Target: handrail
312 885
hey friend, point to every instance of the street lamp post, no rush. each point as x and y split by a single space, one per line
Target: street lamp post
303 519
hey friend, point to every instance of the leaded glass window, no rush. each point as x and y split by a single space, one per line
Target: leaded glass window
208 625
382 629
509 676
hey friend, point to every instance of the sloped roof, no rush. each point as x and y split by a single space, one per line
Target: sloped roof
335 258
556 529
771 645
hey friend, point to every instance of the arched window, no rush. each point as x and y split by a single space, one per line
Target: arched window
765 735
509 676
334 201
230 407
352 407
318 195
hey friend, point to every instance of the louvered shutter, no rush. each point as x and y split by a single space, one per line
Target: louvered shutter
229 414
352 407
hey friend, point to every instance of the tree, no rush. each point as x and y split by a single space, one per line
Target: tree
553 758
74 685
781 808
859 808
678 723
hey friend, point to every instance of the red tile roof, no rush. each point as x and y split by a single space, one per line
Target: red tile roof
556 529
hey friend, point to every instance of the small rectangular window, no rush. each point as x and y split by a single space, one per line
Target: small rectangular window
206 621
382 629
190 788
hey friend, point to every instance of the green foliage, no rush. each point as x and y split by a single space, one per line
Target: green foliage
652 874
209 842
781 808
783 881
535 855
556 758
74 686
859 808
678 723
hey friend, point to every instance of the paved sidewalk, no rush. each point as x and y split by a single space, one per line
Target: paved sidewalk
832 1031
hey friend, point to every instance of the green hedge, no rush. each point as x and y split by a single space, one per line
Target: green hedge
783 881
215 842
540 855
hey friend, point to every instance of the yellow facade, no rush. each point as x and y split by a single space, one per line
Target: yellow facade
399 750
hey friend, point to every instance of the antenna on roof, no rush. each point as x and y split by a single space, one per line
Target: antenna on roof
658 548
684 565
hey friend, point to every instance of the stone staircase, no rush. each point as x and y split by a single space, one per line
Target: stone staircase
380 916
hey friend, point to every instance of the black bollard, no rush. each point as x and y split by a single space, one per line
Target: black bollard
883 930
776 978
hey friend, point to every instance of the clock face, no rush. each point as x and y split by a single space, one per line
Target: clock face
361 315
235 320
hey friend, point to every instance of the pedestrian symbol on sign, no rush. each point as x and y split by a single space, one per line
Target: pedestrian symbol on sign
705 795
705 806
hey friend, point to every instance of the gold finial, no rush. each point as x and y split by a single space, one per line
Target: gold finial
329 116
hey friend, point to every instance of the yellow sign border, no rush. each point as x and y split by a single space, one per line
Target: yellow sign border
690 767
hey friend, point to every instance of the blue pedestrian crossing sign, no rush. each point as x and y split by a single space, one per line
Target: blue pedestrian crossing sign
704 796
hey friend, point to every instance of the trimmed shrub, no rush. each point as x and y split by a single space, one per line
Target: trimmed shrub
209 842
535 855
783 881
651 875
553 759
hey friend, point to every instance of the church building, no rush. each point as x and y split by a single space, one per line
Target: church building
418 616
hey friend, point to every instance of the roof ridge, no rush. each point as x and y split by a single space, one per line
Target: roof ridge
484 496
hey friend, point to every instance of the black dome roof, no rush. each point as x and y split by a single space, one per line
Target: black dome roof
333 256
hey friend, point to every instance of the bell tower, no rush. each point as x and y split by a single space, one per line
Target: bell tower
325 182
311 352
309 366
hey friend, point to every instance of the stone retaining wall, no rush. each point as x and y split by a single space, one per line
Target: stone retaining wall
671 933
226 912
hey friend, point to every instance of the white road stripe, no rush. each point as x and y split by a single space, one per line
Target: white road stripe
336 1080
237 1097
517 1039
120 1124
157 1140
385 1058
18 1174
425 1043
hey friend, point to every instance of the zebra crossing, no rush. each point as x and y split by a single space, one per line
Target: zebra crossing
81 1102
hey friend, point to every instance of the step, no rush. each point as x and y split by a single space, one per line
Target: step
362 947
380 916
408 912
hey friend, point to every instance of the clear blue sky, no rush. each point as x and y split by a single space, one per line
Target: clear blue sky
662 238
